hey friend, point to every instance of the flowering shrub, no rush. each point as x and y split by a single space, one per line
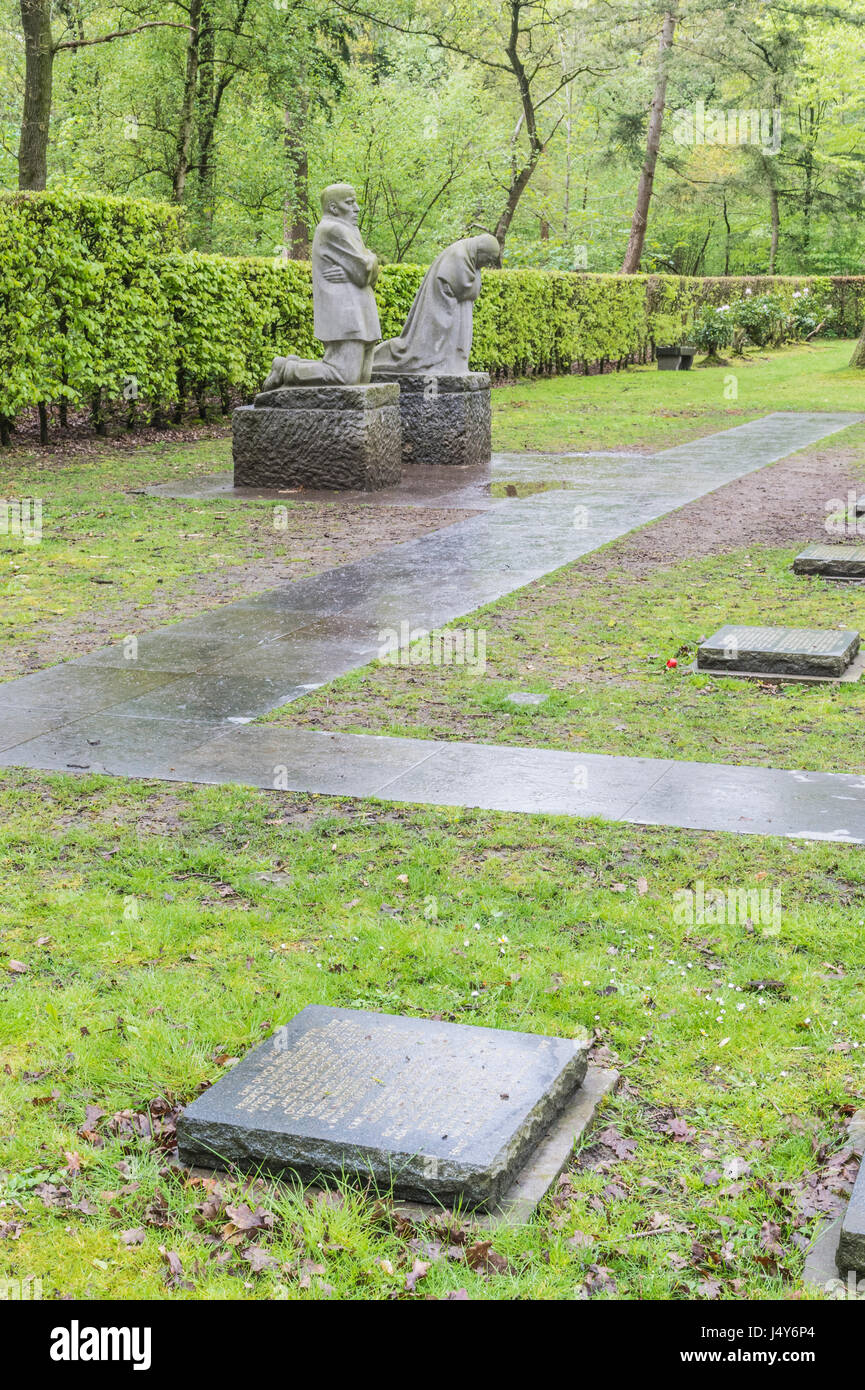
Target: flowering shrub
764 320
713 328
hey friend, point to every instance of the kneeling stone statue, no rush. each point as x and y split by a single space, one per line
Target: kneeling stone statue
345 319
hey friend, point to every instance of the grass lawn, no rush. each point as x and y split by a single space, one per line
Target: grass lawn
141 953
150 934
639 408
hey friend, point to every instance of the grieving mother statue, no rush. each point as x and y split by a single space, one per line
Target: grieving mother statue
345 314
437 336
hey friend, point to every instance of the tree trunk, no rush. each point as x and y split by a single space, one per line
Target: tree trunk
858 358
38 75
297 192
185 121
639 222
515 192
206 125
776 225
726 239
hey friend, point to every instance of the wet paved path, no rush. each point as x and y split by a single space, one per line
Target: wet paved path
174 704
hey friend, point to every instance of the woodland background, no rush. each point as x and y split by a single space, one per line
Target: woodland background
529 119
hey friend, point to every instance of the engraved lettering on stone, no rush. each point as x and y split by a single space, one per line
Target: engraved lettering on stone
336 1074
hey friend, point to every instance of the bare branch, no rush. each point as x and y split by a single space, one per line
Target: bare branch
120 34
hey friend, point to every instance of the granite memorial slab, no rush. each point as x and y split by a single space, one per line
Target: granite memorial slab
851 1243
778 651
446 420
327 437
834 561
434 1110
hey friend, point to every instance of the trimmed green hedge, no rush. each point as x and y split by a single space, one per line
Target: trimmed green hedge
100 306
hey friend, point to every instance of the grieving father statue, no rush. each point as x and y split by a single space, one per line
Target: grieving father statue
345 313
437 336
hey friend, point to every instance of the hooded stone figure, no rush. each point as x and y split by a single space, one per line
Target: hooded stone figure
437 336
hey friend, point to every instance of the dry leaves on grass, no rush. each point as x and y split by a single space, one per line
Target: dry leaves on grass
679 1130
259 1260
482 1258
174 1272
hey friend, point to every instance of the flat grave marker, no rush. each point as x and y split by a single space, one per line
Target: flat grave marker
833 561
437 1110
808 653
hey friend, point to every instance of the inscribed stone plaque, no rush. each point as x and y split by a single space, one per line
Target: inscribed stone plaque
841 561
779 651
435 1109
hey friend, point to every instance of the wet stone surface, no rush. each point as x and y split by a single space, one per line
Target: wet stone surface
781 651
440 1110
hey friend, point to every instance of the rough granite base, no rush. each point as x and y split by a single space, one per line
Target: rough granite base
337 437
426 1109
445 419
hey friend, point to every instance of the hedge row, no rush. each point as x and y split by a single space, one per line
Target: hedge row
100 304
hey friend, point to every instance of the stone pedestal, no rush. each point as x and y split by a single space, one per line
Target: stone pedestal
319 437
445 419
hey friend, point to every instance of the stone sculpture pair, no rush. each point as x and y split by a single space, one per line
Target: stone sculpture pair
357 416
437 336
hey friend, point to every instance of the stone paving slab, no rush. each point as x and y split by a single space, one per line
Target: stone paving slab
16 726
499 777
495 777
72 689
756 801
127 747
214 695
171 649
303 760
